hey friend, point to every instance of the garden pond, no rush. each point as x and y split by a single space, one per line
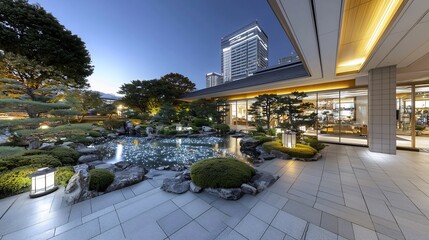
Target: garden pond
170 151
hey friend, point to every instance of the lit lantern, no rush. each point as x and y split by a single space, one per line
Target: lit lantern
44 126
179 127
278 130
42 182
289 139
303 128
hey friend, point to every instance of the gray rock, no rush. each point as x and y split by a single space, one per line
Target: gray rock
175 185
106 166
258 160
73 145
122 164
88 158
47 146
187 174
280 155
166 167
238 135
120 130
207 129
87 151
262 180
34 144
77 188
261 150
90 138
267 157
195 188
83 167
126 177
112 136
149 131
246 188
153 173
67 144
92 165
248 146
225 193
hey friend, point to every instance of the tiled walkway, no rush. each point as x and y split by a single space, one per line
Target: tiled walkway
349 194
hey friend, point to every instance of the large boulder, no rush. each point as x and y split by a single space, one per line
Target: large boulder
92 165
107 166
262 180
34 143
246 188
47 146
77 188
126 176
195 188
207 129
248 146
112 136
79 167
175 185
87 151
88 158
280 155
225 193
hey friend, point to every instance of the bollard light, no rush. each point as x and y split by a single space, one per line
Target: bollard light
42 182
289 139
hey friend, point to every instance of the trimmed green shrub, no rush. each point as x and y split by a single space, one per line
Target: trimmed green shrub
271 132
221 173
67 156
100 179
314 143
63 175
79 139
199 122
420 127
43 160
263 139
34 152
95 134
15 181
10 151
222 128
300 151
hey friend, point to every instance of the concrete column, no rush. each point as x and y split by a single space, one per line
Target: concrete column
382 110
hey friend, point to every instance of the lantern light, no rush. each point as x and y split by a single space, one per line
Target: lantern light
278 130
289 139
179 127
44 126
303 128
42 182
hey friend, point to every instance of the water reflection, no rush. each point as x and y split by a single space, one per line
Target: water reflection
183 151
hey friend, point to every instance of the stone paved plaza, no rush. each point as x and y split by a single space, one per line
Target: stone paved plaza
350 193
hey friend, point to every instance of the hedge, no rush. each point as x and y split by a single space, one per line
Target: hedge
63 175
300 150
221 173
15 181
67 156
100 179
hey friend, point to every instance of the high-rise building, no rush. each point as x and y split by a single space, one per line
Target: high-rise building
213 79
244 52
289 59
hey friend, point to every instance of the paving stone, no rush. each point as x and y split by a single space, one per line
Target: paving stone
251 227
303 211
115 233
213 220
273 234
84 231
289 224
230 234
329 222
183 199
345 229
196 207
316 233
141 187
174 221
108 221
264 212
191 231
364 233
274 199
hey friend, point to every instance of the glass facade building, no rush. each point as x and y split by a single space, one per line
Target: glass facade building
244 52
342 116
213 79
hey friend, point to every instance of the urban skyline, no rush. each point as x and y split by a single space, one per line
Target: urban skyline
146 40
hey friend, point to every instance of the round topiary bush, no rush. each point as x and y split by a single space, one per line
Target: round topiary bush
221 173
100 179
94 134
63 175
67 156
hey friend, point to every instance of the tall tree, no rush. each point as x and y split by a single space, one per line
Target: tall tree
38 51
264 109
83 101
293 108
175 86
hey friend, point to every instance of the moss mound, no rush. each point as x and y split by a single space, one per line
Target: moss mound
314 143
63 175
221 173
15 181
41 160
100 179
299 151
263 138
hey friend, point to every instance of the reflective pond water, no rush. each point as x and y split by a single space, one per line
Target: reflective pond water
171 151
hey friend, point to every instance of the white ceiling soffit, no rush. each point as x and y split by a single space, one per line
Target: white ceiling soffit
298 15
407 40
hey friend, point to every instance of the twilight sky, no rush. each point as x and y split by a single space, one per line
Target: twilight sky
145 39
